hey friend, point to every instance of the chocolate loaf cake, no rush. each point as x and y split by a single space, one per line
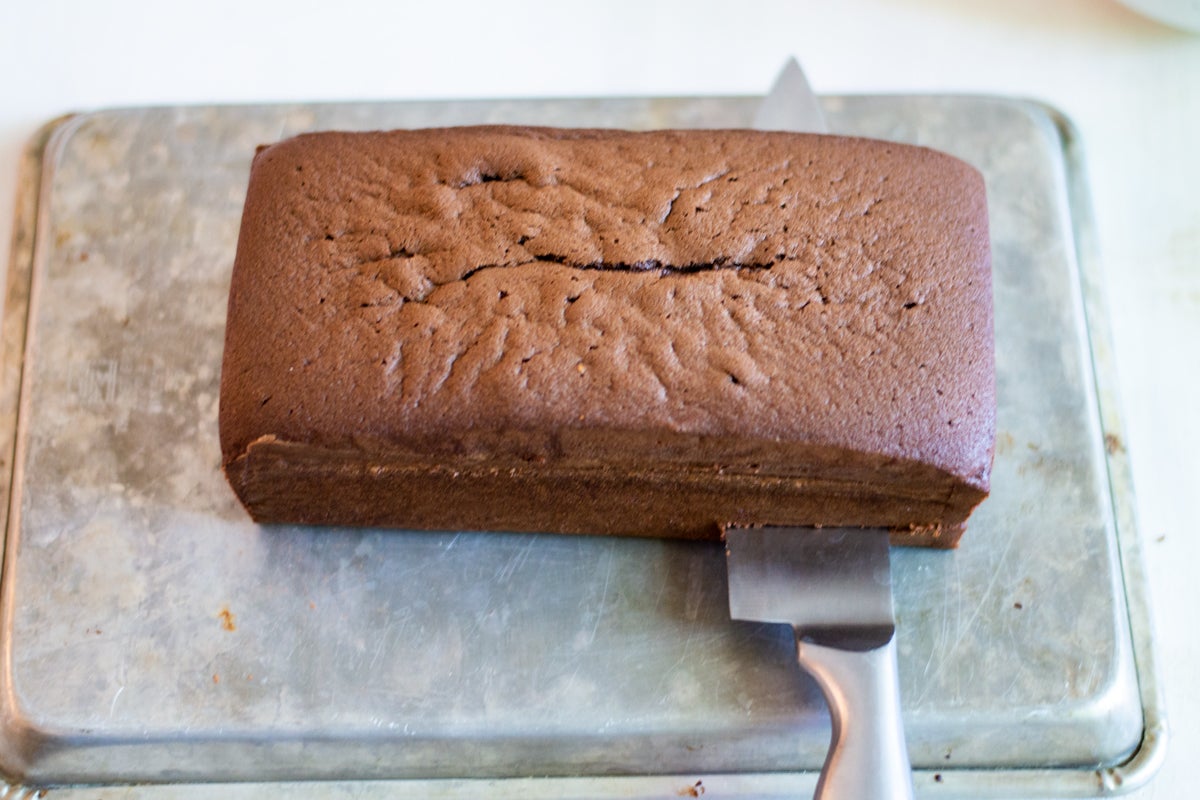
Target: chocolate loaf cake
652 334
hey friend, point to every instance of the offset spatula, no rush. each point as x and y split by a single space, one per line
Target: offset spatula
834 587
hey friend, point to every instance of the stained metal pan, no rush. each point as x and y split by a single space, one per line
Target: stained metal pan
151 633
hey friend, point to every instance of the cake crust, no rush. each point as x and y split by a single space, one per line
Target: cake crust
655 333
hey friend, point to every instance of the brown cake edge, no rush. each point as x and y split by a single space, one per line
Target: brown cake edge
281 482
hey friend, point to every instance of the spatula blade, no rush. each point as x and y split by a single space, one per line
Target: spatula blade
832 585
791 105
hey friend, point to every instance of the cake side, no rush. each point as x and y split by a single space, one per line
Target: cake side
318 486
669 303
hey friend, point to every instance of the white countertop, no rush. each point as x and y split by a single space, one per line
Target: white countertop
1131 86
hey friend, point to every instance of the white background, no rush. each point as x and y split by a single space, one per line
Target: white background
1132 86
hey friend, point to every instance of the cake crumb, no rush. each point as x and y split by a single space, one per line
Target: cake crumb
227 619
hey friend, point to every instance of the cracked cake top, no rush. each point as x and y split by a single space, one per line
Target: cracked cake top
430 290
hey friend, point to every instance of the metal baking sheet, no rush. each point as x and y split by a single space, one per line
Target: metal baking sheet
151 632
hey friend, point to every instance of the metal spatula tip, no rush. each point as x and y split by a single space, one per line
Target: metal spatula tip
791 104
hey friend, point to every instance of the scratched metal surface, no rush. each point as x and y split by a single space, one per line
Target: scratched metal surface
151 632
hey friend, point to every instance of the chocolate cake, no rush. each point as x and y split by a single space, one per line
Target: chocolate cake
589 331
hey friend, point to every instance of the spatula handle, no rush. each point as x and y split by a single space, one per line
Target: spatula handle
867 759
